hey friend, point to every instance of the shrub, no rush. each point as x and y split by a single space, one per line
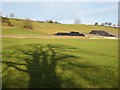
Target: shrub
27 25
50 21
9 24
6 20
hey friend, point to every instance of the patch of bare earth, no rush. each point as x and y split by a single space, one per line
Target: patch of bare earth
7 27
53 36
41 36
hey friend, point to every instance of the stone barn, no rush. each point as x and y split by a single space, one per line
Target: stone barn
101 33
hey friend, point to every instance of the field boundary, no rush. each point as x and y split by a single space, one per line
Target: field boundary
53 36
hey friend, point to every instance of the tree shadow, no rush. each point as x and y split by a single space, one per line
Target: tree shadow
40 62
43 62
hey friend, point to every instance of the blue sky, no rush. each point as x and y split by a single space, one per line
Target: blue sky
64 12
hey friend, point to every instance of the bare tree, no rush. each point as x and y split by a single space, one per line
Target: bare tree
77 21
102 24
11 15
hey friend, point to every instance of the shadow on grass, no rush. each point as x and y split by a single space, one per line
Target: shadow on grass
40 62
53 66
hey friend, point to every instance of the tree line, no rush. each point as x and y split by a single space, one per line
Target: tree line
26 22
105 24
49 21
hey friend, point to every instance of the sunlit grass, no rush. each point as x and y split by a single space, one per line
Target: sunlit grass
75 63
50 28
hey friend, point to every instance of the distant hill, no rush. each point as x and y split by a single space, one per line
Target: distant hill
50 28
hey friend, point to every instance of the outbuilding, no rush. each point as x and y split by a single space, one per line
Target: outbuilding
72 33
101 33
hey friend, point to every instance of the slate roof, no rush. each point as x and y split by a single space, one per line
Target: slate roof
101 33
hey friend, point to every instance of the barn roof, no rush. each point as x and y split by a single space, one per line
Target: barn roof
101 32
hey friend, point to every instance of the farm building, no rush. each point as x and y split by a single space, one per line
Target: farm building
101 33
70 34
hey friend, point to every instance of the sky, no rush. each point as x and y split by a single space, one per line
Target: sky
60 1
64 12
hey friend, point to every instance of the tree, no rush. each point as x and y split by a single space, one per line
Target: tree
96 23
102 24
50 21
114 25
57 22
27 24
11 15
109 23
77 21
106 23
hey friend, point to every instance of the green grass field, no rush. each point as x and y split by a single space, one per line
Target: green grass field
58 62
65 63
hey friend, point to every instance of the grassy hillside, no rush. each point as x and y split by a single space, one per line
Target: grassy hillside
65 63
57 62
50 28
